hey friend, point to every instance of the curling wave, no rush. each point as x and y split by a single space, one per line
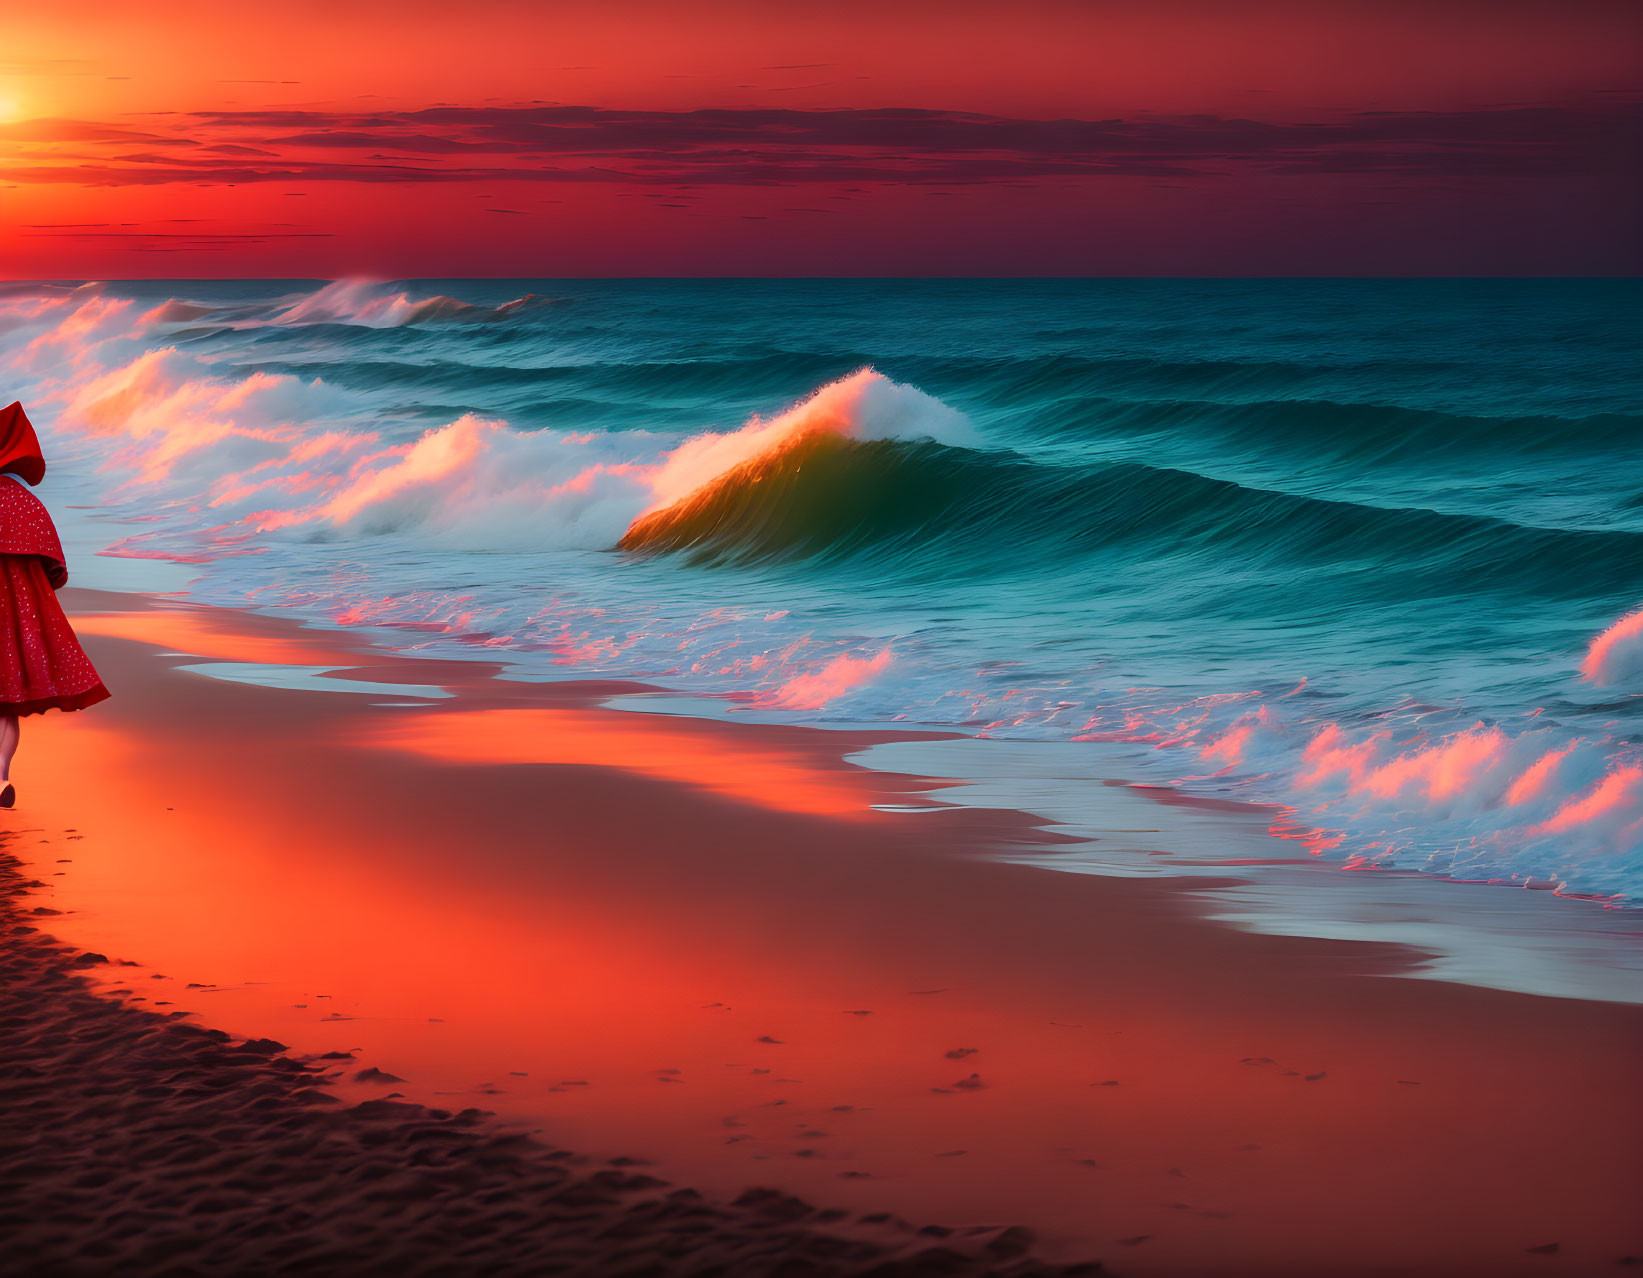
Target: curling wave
827 495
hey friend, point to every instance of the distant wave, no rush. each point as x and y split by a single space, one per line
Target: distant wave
767 377
359 303
1068 377
1367 432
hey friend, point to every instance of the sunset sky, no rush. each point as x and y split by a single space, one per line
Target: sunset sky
416 139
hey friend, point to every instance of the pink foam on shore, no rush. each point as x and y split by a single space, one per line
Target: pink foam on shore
814 690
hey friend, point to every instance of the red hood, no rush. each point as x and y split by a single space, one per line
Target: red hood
19 448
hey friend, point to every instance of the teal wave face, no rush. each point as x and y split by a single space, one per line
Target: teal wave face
928 509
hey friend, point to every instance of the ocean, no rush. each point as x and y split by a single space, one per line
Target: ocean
1368 552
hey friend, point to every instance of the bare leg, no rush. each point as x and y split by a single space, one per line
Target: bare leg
8 744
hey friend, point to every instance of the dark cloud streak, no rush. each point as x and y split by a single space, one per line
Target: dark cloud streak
775 146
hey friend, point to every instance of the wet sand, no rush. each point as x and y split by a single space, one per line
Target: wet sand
699 943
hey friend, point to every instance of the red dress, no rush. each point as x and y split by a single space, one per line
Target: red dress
42 665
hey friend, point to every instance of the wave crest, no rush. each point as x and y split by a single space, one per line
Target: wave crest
706 477
364 303
1615 657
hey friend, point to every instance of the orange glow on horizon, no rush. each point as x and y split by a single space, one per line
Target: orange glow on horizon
115 107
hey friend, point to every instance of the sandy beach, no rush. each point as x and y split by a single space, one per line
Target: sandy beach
719 949
145 1144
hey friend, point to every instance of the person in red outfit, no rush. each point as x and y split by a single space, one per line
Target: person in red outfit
41 662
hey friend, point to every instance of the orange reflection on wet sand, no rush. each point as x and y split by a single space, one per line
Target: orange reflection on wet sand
684 752
208 633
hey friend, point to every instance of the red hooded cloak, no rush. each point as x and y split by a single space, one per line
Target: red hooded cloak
42 665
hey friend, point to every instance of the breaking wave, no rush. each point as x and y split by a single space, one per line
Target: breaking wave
1615 657
831 495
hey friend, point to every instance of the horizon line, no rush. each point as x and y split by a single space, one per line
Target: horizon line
368 278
